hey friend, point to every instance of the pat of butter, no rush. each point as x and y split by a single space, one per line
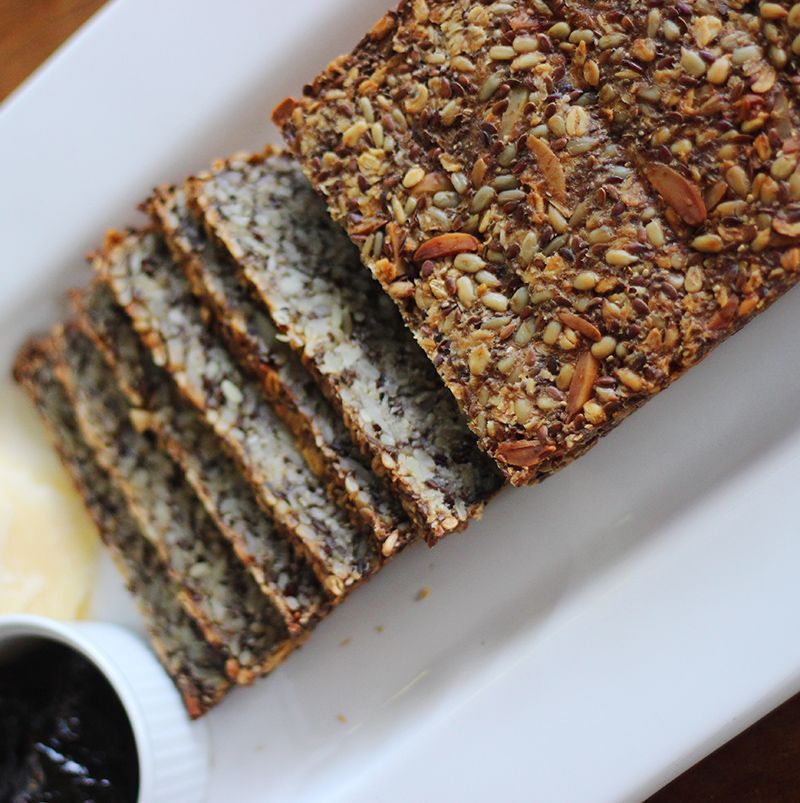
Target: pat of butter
48 544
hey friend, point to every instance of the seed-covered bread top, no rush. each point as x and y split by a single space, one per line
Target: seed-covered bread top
196 667
264 213
570 202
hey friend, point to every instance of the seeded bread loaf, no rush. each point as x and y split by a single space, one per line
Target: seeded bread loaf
251 336
570 202
284 577
216 589
196 667
263 212
146 282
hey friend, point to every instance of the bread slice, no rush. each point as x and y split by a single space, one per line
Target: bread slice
216 589
196 667
570 202
264 213
146 282
285 577
249 333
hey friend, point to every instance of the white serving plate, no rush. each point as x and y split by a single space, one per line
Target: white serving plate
585 642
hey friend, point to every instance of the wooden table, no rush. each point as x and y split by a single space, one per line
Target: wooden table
762 765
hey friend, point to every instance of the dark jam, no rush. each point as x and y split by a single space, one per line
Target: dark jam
64 735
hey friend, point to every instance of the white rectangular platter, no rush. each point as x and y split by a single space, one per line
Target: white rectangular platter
586 641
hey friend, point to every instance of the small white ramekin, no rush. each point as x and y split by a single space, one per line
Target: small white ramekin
173 750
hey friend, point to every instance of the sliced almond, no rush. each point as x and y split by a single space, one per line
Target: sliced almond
582 385
432 183
367 226
551 168
679 193
580 325
446 245
283 111
786 228
523 454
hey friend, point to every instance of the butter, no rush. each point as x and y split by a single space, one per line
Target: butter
48 544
